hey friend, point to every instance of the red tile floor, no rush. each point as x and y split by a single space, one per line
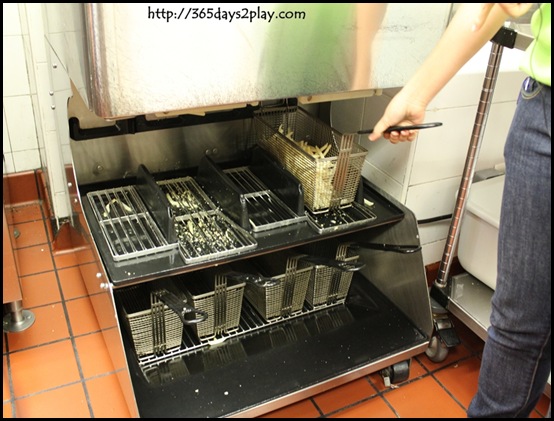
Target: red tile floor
59 367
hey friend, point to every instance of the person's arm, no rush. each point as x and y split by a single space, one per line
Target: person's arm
470 29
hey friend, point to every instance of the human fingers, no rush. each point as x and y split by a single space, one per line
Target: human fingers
515 10
401 136
378 130
394 136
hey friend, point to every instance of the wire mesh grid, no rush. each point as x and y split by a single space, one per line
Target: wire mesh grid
203 231
265 209
129 230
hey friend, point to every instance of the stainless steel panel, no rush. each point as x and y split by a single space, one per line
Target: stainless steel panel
400 277
470 301
118 157
134 59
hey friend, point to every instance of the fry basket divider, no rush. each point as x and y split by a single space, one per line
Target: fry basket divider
288 286
341 170
281 182
157 314
336 279
214 181
220 304
156 203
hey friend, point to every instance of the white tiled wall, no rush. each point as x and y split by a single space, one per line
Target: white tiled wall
31 139
20 138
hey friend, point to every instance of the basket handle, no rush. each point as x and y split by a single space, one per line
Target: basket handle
180 307
254 279
397 248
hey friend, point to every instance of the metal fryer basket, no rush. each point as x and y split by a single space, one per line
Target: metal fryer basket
329 181
154 328
286 297
220 297
330 285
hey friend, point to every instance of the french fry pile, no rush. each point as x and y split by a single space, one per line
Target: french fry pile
316 176
316 151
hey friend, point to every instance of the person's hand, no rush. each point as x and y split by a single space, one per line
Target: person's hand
514 10
400 112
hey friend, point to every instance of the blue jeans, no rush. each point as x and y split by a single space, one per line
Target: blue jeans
516 358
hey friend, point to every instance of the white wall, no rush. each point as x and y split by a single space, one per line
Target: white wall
31 115
19 100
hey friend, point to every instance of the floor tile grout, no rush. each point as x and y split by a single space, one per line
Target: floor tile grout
66 315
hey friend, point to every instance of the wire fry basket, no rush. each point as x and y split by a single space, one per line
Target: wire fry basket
154 328
286 296
329 285
220 297
327 163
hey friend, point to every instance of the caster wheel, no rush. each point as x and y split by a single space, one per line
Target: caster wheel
396 373
400 372
437 351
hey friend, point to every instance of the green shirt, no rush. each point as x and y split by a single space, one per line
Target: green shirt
536 62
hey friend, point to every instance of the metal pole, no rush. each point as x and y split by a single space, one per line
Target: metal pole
485 101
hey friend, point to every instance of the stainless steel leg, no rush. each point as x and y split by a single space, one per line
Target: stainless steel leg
18 319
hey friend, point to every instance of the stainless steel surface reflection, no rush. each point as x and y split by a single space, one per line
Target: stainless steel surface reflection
131 59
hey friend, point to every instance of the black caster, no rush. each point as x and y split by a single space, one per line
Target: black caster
396 373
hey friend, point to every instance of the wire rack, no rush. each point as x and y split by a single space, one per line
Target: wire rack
265 209
203 231
128 228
